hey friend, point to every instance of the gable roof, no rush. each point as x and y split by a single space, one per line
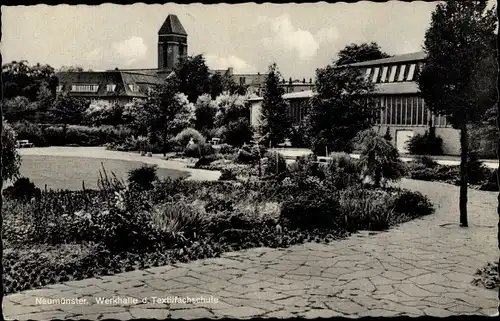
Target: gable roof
113 77
172 25
416 56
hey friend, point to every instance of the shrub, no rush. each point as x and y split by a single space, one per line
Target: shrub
22 189
342 171
237 133
427 161
379 160
476 171
365 209
178 217
143 177
275 164
185 136
310 211
11 161
491 184
412 203
203 161
227 174
196 150
226 149
426 144
31 132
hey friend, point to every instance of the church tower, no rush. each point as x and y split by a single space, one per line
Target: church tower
172 43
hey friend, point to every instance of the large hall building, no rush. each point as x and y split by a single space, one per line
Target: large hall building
123 85
403 110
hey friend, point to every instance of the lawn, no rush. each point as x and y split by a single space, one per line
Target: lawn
59 172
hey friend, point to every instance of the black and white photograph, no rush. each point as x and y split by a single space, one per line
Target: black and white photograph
194 161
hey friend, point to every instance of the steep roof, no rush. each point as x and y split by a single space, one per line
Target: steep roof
116 77
416 56
172 25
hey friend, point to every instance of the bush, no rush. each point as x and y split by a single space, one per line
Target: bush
11 161
227 174
55 135
185 136
203 161
226 149
178 217
379 160
143 177
411 203
476 171
491 184
365 209
426 144
31 132
275 164
197 151
22 189
342 171
310 211
237 133
427 161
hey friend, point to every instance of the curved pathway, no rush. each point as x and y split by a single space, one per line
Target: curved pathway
103 153
422 267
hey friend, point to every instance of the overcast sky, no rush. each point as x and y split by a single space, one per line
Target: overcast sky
248 37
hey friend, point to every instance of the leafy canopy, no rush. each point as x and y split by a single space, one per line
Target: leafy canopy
358 53
341 108
459 77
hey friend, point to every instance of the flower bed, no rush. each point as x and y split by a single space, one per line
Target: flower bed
61 236
487 277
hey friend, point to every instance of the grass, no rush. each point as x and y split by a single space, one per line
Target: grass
59 172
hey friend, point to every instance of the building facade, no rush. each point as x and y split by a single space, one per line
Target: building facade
402 109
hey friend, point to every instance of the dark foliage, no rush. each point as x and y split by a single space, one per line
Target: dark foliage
426 144
143 177
22 190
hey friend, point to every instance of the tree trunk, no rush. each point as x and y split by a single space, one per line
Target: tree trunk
1 215
498 183
464 146
378 178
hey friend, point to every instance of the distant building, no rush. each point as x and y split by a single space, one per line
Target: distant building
123 85
403 110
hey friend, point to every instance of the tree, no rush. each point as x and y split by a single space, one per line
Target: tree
165 112
193 77
275 120
70 69
341 108
458 80
205 110
379 160
103 113
357 53
69 110
20 79
233 119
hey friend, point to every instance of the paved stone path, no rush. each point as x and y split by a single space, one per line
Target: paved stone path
101 152
423 267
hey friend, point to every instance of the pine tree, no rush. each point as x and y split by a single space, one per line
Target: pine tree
275 119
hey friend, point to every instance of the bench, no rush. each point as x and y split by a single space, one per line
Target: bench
215 141
23 143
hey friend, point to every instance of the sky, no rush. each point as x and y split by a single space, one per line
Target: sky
248 37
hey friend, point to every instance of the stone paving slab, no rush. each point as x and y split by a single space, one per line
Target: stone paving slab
422 267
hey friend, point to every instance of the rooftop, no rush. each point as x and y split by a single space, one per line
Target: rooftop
391 60
172 25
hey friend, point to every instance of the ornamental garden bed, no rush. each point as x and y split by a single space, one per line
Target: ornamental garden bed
57 236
